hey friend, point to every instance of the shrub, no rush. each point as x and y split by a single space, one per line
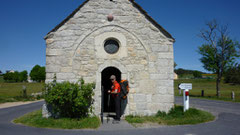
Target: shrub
197 74
161 114
71 100
232 75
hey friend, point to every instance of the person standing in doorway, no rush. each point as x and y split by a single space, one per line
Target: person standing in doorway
116 95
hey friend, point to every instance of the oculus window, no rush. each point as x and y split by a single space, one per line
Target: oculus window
111 46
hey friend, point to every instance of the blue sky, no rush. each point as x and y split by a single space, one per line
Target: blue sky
24 23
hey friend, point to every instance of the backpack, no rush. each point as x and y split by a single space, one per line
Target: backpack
124 89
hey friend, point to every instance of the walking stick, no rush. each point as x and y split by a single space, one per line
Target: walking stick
108 107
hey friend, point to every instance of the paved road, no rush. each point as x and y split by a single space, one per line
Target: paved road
227 123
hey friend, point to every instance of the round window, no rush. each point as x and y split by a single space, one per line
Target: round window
111 46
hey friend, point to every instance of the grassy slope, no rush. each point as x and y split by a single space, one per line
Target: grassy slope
35 119
209 86
8 91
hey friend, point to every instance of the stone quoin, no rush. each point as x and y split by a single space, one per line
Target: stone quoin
105 37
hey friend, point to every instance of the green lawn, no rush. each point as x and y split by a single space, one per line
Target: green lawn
209 86
1 79
10 92
175 117
35 119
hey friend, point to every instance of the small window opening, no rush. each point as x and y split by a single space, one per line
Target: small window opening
111 46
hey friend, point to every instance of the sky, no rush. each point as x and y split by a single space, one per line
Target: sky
24 23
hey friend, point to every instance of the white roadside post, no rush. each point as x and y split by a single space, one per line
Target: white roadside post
186 87
186 99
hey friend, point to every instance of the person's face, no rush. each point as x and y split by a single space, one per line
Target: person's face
113 80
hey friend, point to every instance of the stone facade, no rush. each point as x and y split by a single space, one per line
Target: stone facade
76 50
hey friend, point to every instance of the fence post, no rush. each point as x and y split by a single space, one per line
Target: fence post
233 95
202 93
24 91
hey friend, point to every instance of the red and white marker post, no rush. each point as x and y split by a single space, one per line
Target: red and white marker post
185 87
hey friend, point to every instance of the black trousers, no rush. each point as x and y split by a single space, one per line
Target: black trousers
118 107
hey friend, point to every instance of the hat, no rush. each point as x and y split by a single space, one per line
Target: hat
113 77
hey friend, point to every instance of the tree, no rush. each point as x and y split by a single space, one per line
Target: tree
9 77
175 64
197 74
219 51
232 75
42 74
6 76
34 72
0 72
38 73
16 76
23 76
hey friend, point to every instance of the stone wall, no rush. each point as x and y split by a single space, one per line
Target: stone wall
145 57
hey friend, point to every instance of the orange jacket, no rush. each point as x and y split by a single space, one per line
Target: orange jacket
115 86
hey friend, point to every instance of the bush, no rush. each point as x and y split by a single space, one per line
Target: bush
175 116
232 75
70 100
197 74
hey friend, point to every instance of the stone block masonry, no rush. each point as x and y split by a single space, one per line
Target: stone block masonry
75 49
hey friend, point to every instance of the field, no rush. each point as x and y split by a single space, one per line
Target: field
1 79
10 92
209 87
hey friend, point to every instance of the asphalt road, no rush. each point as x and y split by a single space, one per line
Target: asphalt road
227 122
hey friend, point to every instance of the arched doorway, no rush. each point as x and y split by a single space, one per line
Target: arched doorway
106 85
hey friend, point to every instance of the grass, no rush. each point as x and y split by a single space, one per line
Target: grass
175 117
35 119
184 76
1 79
11 92
209 87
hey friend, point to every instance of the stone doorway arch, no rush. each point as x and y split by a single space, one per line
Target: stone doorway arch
106 85
98 91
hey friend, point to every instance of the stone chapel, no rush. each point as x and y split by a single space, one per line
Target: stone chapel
114 37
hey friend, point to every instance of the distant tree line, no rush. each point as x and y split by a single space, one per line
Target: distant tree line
182 71
16 76
37 74
232 75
